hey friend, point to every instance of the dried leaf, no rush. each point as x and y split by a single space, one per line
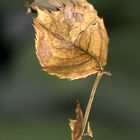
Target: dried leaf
47 4
89 131
77 125
72 42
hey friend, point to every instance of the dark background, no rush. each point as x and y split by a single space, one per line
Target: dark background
37 106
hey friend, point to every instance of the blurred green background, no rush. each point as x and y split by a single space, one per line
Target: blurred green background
37 106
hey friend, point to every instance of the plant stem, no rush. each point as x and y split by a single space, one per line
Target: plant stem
95 85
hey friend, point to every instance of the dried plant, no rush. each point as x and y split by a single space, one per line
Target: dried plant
72 43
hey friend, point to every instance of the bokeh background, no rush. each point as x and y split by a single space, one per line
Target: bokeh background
37 106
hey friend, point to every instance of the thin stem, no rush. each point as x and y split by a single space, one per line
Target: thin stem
95 85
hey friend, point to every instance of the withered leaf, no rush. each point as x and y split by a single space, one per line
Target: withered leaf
77 124
72 42
47 4
89 131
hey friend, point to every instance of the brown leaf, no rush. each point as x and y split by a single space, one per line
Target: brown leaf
89 131
47 4
72 42
77 125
